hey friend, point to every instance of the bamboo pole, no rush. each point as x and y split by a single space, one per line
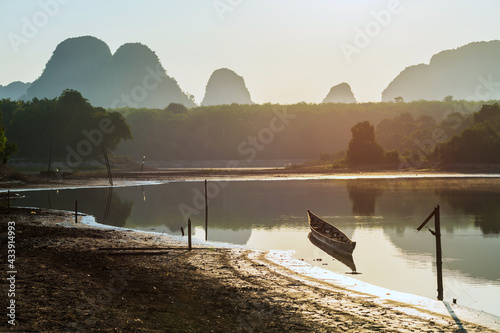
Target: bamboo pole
206 212
189 234
439 262
437 233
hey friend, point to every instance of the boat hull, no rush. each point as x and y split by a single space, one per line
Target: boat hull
344 248
329 235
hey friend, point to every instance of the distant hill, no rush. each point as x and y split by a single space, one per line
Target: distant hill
226 87
77 63
132 77
341 93
137 71
15 90
468 72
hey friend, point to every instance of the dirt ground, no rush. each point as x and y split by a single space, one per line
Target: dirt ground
75 278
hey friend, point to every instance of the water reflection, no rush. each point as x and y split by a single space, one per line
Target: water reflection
363 198
117 212
105 204
394 205
484 205
345 258
403 198
240 236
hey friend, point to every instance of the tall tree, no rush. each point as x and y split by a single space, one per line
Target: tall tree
363 148
68 124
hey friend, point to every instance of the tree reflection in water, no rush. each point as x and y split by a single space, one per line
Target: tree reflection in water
363 198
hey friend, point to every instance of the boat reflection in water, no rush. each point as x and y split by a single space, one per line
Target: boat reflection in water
343 257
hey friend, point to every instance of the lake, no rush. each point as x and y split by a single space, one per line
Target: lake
381 215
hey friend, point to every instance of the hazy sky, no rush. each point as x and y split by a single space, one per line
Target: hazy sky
287 50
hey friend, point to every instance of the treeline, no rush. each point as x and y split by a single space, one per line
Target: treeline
70 128
65 128
479 143
245 131
415 138
459 138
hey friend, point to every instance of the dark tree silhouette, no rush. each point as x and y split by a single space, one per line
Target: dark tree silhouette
479 143
363 148
176 108
66 123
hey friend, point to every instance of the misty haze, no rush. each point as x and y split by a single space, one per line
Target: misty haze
250 166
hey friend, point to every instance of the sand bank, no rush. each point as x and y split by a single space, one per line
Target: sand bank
79 277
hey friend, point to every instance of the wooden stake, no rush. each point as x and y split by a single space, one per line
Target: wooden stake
439 263
76 211
437 233
206 212
189 234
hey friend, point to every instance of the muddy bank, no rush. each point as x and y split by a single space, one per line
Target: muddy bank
72 277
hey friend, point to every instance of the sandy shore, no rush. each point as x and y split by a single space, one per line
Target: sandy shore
75 277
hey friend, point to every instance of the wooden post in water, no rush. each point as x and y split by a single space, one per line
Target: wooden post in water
189 234
8 198
206 212
76 211
439 262
437 233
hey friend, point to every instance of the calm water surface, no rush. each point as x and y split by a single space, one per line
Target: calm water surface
380 215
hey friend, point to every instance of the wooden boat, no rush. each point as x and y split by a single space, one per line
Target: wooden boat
330 235
345 258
